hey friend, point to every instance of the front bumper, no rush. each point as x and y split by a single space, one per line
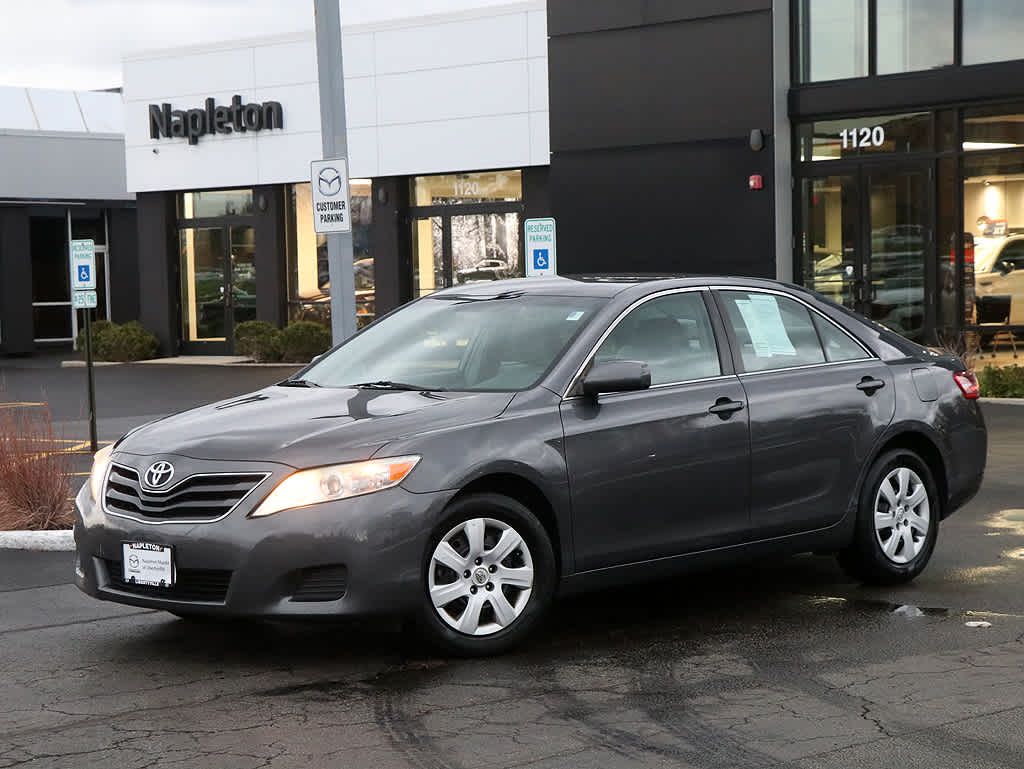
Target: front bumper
363 556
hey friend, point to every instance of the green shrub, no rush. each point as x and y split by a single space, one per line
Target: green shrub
303 340
130 342
1002 382
101 333
258 340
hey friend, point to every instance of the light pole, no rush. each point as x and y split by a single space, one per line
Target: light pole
327 15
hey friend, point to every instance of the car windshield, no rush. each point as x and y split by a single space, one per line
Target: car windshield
458 342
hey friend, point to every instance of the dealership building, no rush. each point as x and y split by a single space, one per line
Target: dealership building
870 149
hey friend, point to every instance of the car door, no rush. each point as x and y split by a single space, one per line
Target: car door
817 402
656 472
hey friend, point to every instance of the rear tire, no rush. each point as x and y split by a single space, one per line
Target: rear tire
488 577
897 521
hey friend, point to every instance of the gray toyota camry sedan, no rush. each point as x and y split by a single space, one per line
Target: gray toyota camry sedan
471 455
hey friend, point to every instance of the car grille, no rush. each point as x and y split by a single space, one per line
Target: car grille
206 585
197 498
321 583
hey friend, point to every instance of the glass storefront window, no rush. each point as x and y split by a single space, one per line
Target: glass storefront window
914 35
833 39
211 203
993 30
853 137
994 128
309 281
456 189
485 247
994 267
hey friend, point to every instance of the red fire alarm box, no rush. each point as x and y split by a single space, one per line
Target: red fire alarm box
756 182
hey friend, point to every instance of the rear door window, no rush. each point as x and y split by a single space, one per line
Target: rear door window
771 331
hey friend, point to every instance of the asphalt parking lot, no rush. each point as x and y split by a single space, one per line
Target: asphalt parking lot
777 664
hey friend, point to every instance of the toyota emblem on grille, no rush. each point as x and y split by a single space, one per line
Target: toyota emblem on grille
159 474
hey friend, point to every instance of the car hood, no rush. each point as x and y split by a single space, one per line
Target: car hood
305 427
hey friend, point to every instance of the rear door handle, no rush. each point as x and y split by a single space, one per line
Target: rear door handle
724 407
869 385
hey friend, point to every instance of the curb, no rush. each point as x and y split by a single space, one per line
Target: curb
59 540
1007 401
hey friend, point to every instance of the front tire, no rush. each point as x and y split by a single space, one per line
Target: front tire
897 521
488 576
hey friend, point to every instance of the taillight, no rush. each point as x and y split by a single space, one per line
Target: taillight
968 384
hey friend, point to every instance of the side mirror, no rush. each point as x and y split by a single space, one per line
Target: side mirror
616 376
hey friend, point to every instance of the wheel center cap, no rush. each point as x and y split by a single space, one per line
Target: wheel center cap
480 576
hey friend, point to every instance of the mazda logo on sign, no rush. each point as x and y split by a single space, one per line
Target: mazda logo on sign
329 182
159 474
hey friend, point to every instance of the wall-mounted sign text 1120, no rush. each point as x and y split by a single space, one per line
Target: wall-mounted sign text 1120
863 137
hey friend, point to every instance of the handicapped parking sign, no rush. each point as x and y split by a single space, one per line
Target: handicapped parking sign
540 245
83 265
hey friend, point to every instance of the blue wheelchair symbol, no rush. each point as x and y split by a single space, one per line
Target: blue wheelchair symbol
540 258
83 273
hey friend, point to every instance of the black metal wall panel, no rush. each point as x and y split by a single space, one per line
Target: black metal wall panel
661 83
158 268
570 17
124 264
271 283
15 282
389 239
665 209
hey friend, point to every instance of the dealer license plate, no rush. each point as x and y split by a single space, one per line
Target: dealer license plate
148 564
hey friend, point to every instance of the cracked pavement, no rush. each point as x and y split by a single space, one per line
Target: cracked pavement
776 664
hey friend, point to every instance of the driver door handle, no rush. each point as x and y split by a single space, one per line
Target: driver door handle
725 407
870 384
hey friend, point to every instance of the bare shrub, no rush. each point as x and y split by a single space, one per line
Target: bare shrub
965 345
35 473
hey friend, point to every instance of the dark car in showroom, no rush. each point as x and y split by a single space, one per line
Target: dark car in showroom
471 455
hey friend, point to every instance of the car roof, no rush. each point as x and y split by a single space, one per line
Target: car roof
601 285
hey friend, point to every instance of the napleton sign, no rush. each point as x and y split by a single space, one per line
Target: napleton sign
213 118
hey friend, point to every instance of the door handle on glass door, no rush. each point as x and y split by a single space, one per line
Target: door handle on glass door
869 385
725 407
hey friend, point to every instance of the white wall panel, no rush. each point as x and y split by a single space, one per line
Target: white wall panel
441 94
448 145
451 44
15 111
537 34
188 73
284 64
362 152
360 102
540 139
357 54
538 85
285 158
457 92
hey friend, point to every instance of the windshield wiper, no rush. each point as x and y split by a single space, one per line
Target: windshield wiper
297 383
386 384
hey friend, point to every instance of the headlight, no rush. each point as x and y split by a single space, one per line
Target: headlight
100 463
326 484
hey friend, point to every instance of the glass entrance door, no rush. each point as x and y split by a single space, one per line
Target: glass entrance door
866 240
218 285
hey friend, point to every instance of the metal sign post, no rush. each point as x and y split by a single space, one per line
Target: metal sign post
83 296
335 143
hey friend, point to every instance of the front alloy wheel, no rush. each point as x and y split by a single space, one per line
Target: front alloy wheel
489 576
481 576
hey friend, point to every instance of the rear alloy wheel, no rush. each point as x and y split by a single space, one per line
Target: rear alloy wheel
897 522
489 576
